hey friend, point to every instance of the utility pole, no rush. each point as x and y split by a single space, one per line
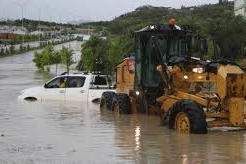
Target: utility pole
22 15
39 31
22 24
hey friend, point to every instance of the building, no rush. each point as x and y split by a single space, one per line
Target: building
240 7
37 33
9 32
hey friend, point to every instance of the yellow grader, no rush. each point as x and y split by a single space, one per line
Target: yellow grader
188 93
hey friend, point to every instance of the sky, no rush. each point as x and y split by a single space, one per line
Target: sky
63 11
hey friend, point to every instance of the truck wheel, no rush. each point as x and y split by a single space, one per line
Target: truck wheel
187 116
121 104
116 107
106 100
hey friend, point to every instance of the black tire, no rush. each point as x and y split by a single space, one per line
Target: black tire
124 103
195 114
106 99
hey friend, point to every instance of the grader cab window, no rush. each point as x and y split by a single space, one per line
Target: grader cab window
153 50
152 77
174 47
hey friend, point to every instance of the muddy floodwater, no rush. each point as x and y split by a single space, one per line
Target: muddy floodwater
77 132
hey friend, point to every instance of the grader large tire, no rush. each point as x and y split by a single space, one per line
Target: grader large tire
187 116
106 100
121 104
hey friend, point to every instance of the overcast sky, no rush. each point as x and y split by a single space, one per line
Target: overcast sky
94 10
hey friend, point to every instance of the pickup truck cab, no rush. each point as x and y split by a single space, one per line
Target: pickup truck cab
76 87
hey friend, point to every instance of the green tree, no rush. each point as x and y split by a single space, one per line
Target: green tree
66 57
55 59
229 33
45 58
38 60
86 60
115 52
94 56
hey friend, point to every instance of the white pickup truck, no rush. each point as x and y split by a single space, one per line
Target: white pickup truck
76 87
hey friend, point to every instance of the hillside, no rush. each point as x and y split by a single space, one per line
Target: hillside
215 22
224 32
146 15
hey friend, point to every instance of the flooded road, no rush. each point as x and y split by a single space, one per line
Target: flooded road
69 132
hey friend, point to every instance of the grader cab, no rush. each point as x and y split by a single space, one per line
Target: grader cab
164 78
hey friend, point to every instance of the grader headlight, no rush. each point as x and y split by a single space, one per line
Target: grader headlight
186 77
198 70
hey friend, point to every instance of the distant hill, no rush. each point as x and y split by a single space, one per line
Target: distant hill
77 22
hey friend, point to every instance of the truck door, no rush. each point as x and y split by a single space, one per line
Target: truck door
76 89
53 90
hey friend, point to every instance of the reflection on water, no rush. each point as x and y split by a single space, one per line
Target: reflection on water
76 132
137 138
